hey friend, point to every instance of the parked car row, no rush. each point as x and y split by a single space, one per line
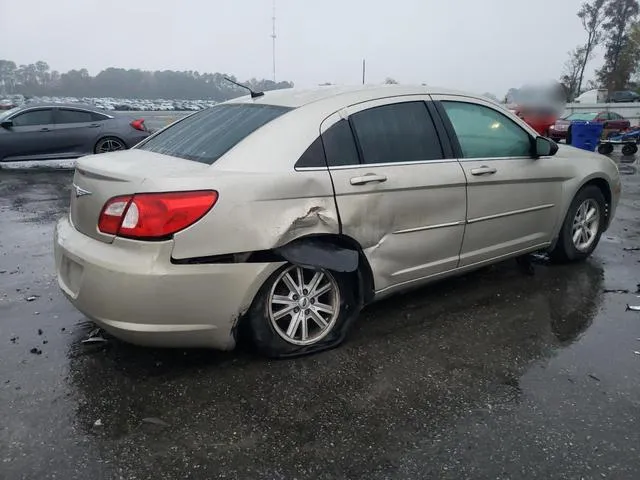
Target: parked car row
119 104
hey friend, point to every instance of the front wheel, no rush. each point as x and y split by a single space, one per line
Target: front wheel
605 148
302 310
582 227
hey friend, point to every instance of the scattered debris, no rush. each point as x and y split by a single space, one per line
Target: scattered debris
44 342
638 288
618 290
94 340
32 298
36 351
62 329
3 271
40 331
93 332
594 377
36 313
631 249
634 308
97 423
155 421
14 339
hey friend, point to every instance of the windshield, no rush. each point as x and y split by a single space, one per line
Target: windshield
582 116
8 113
207 135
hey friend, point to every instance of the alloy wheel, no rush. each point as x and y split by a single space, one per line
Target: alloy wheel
586 224
109 145
303 304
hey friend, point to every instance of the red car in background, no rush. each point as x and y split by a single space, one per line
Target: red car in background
539 118
612 123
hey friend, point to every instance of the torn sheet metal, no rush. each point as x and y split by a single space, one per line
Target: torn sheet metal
634 308
314 253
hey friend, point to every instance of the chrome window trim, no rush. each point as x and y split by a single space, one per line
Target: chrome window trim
430 227
376 165
511 213
61 107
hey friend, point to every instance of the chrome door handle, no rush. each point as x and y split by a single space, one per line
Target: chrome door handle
483 170
94 125
368 178
45 129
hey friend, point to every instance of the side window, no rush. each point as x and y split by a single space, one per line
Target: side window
73 116
337 144
33 117
615 116
485 133
400 132
97 117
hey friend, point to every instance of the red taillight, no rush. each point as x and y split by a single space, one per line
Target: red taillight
154 215
139 125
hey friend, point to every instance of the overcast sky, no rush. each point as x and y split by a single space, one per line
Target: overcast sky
474 45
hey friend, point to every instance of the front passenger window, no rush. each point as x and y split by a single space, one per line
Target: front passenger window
485 133
32 118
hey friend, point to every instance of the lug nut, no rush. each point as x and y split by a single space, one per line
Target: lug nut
313 300
304 292
307 311
295 297
296 310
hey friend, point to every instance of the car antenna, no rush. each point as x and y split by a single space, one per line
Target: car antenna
253 94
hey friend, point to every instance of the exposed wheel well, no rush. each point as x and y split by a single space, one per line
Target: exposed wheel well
366 287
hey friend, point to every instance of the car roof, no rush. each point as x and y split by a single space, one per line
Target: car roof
295 98
82 106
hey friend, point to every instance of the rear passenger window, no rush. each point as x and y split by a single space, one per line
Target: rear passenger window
401 132
337 144
73 116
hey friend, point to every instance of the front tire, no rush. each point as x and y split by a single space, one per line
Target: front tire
301 310
629 149
582 227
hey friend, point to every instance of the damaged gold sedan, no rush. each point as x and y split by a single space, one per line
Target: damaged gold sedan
283 214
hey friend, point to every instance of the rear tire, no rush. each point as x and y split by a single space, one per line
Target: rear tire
583 226
109 144
288 307
629 149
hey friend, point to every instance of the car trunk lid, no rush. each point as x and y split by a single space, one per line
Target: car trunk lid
100 177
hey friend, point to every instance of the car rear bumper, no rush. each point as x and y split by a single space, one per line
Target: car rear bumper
133 291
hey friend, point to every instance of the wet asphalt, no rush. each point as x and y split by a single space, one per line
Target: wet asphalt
496 374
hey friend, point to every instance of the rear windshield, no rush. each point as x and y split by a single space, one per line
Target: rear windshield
207 135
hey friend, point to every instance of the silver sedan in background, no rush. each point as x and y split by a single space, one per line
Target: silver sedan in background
60 131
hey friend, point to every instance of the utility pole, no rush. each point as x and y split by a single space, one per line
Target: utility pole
273 39
363 70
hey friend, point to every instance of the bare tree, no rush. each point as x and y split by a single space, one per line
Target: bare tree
619 56
572 69
390 81
591 15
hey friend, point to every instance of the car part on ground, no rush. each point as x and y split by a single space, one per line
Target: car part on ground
220 223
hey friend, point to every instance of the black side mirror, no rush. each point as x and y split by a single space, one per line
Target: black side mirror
7 124
545 147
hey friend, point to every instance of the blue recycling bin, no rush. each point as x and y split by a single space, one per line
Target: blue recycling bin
586 135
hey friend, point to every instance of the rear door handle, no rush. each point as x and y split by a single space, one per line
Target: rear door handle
45 129
94 125
368 178
483 170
